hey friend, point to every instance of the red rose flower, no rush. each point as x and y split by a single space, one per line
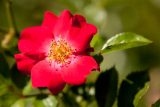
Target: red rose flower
56 52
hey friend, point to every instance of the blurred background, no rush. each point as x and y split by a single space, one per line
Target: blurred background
110 17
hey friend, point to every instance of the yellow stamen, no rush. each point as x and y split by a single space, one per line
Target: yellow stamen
60 51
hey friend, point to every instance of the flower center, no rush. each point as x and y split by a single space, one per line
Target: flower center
60 51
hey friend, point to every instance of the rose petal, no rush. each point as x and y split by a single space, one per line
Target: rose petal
78 21
55 87
49 20
81 40
75 73
63 24
43 75
35 39
24 63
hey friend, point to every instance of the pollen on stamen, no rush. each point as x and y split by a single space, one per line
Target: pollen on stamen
60 51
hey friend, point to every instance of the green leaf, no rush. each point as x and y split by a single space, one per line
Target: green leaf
67 100
106 88
156 104
50 101
8 98
18 79
130 87
140 94
124 41
29 90
97 42
4 67
24 102
98 58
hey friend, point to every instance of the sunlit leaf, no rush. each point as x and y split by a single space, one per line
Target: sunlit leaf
97 42
25 102
51 101
140 95
29 90
106 88
124 41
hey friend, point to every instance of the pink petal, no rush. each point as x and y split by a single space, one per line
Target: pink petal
63 24
24 63
38 56
43 75
76 72
35 39
55 87
78 21
82 39
49 20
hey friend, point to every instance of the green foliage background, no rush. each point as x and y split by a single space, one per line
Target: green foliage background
111 17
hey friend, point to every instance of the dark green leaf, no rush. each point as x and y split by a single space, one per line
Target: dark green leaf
156 104
4 67
41 96
67 100
130 87
124 41
106 88
18 79
8 97
98 58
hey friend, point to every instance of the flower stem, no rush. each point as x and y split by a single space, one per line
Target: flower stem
2 30
10 16
12 25
37 94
